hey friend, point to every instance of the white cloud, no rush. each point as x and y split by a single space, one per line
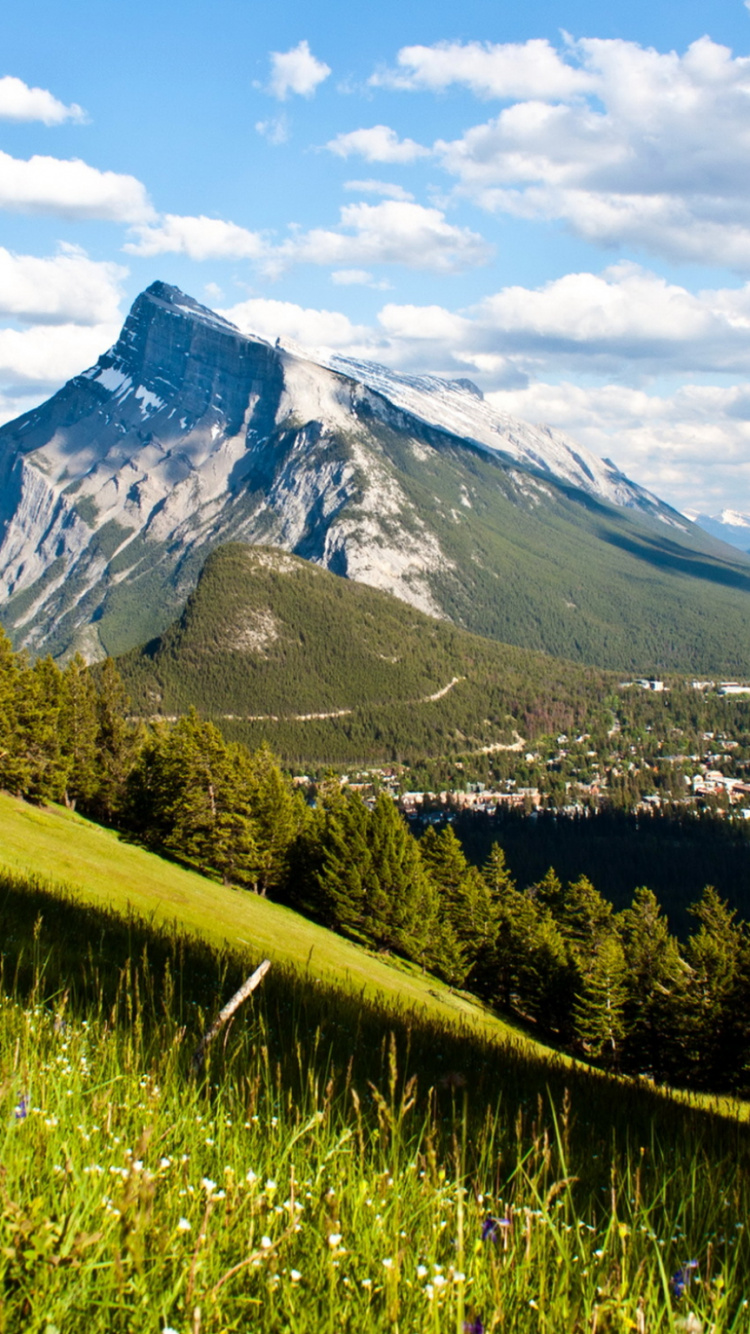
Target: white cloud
70 189
19 102
393 232
199 238
275 130
296 71
626 145
378 144
283 319
359 278
502 70
67 287
47 355
691 447
384 188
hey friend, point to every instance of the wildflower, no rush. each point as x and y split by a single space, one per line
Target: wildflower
266 1243
208 1185
680 1280
422 1271
334 1238
387 1262
473 1326
250 1177
492 1227
295 1275
183 1225
22 1108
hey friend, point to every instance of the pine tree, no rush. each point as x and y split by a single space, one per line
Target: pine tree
117 742
79 726
710 1017
278 815
466 903
599 1009
655 973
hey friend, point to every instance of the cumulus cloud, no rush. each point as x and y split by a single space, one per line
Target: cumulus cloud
498 70
199 238
384 188
47 355
20 102
70 189
296 71
691 447
625 324
59 289
626 145
378 144
393 232
357 278
310 327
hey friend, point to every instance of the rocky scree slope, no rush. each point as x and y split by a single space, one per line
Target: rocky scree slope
188 434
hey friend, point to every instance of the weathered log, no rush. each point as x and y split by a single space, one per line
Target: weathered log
229 1009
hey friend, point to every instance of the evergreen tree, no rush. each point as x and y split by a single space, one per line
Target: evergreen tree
710 1018
79 726
278 814
599 1009
117 743
466 902
532 964
187 795
655 973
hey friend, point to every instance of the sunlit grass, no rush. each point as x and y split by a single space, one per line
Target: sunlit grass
316 1178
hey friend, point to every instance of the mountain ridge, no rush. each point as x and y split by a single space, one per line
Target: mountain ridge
188 434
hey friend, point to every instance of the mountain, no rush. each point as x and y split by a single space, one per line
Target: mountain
331 671
729 526
188 434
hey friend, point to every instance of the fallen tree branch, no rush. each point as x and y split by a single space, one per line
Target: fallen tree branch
229 1009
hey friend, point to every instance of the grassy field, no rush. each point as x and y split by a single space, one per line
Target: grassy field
335 1169
363 1150
103 870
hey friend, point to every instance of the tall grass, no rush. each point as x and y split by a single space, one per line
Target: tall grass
333 1167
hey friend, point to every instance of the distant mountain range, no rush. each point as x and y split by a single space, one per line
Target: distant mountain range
188 434
729 526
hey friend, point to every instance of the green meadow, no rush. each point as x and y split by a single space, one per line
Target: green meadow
364 1149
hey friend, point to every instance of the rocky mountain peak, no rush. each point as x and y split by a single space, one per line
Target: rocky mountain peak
188 433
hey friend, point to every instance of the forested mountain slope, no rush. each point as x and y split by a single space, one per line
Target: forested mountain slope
273 647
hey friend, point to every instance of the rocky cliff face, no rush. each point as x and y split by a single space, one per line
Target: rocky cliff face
188 433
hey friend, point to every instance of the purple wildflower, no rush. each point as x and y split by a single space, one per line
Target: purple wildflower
680 1280
473 1326
22 1108
492 1227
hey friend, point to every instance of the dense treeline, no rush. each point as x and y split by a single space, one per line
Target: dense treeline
615 986
675 851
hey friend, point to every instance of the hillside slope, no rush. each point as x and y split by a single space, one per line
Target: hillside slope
327 670
104 871
188 434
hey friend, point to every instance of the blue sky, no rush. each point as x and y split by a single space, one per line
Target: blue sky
552 199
